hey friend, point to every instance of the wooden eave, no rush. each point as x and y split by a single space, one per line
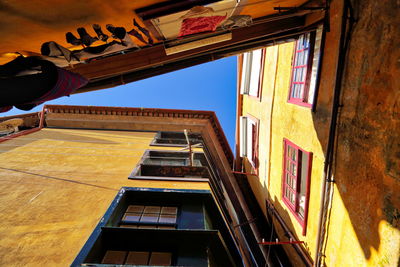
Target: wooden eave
124 68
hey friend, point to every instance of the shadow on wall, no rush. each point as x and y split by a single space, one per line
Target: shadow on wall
367 167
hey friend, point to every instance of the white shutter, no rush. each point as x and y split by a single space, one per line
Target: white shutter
255 72
315 65
243 136
245 77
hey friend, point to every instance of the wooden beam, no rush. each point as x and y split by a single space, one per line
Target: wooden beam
155 56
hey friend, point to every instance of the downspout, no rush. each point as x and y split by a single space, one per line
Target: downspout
326 183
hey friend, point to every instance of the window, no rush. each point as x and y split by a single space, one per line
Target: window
296 180
172 165
177 139
250 82
149 258
249 138
305 64
140 216
199 231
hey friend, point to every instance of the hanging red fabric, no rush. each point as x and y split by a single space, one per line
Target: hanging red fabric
200 24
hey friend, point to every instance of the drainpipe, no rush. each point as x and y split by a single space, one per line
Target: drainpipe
326 183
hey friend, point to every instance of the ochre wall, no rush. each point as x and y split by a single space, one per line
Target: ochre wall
364 223
294 123
262 109
367 171
56 184
279 120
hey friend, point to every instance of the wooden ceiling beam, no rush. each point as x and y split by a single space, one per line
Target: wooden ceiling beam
155 56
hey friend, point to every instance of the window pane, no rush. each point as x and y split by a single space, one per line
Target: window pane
293 183
149 218
304 73
300 71
300 42
287 193
152 209
296 89
196 162
301 60
292 198
135 209
160 258
293 168
173 162
138 258
167 218
164 161
114 257
169 210
295 75
131 217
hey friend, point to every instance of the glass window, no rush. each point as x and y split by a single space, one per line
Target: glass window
146 258
305 68
171 164
296 178
177 139
114 257
149 216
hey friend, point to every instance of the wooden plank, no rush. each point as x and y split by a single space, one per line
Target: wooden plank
155 56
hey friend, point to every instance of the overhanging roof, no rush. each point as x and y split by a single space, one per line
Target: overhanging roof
28 24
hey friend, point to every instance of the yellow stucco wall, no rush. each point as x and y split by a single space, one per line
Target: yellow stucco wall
280 119
261 109
56 184
294 123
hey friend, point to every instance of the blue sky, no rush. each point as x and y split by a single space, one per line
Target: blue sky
210 86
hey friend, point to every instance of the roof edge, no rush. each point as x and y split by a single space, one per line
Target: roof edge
150 112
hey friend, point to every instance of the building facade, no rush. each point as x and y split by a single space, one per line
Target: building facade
293 143
98 185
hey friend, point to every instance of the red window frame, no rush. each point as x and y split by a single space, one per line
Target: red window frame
291 180
254 140
301 70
